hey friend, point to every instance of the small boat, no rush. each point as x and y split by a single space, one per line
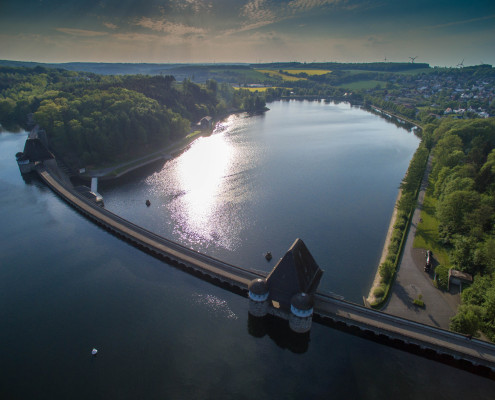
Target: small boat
148 203
94 352
268 256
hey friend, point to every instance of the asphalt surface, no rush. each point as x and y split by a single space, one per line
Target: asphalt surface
408 331
412 281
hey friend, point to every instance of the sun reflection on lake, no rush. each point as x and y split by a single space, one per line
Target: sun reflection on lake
200 172
207 190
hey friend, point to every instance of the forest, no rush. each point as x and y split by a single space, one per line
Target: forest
462 183
94 120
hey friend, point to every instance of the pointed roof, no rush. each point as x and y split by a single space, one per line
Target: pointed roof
296 272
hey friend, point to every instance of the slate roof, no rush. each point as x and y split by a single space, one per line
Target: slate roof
296 272
35 150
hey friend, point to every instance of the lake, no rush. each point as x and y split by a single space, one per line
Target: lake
327 173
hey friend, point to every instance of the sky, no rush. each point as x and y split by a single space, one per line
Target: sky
438 32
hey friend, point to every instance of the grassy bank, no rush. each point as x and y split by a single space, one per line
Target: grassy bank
405 209
427 236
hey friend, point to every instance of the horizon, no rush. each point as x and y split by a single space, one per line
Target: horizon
443 33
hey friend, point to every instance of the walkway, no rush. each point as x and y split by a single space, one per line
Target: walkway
438 341
170 251
405 331
412 281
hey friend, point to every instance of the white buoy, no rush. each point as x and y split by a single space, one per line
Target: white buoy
94 351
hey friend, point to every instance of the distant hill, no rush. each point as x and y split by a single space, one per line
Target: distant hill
334 66
99 68
202 72
180 71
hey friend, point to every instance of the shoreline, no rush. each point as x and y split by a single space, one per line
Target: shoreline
167 153
377 280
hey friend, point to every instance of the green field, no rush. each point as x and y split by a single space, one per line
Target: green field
275 74
427 232
309 72
248 74
369 84
256 89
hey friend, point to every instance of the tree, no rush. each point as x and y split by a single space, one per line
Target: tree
467 320
463 253
452 209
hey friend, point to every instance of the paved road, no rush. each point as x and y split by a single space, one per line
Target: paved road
411 332
236 276
426 336
412 281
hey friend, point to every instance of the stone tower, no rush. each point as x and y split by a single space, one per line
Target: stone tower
258 297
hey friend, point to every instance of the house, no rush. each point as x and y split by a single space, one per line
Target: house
205 122
458 278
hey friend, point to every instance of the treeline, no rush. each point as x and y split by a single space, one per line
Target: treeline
405 207
463 182
408 112
335 66
93 119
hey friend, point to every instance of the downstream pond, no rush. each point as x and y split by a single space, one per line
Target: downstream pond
327 173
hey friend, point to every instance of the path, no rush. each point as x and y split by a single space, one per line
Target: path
412 281
440 342
164 154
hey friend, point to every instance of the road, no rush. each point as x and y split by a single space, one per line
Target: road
407 331
412 281
155 244
441 341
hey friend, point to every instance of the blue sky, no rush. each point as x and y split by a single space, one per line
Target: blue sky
436 31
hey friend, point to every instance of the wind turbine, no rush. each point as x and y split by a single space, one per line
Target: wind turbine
412 59
461 64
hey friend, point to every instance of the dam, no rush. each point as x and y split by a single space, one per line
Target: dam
445 346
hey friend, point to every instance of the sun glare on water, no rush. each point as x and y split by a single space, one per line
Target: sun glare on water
200 172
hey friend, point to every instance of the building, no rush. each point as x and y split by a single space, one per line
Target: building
205 122
458 278
288 290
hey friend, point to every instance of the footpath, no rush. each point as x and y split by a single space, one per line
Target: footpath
167 153
412 281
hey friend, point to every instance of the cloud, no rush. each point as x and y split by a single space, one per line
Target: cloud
169 27
110 25
80 32
196 6
137 37
258 10
259 13
462 22
310 4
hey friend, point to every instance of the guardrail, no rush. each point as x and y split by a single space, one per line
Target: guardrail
442 342
327 307
155 244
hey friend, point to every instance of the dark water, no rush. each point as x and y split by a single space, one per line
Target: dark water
67 286
326 173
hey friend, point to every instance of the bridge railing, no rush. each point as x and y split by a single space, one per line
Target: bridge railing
395 320
95 210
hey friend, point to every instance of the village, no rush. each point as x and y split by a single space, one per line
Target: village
448 93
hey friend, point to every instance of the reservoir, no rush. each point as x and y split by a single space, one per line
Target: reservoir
327 173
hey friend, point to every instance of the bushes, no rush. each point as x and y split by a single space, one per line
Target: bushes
379 292
477 311
419 301
405 207
467 320
442 277
386 270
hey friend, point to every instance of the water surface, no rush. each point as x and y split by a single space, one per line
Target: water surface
327 173
67 286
